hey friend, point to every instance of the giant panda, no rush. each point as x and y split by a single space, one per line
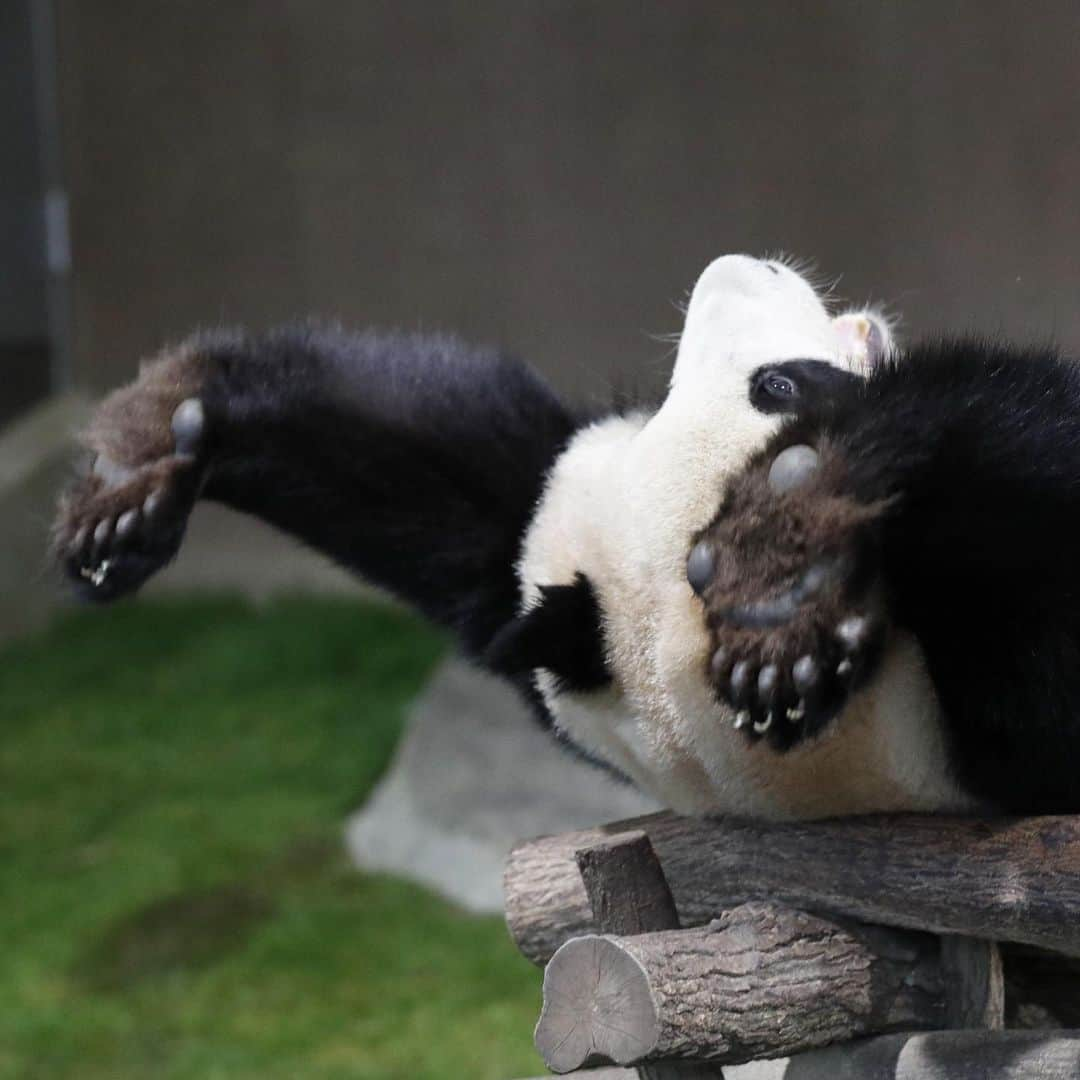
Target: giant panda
824 576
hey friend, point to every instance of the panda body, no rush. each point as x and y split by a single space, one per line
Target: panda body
871 634
621 505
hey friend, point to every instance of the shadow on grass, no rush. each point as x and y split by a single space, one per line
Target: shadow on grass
185 932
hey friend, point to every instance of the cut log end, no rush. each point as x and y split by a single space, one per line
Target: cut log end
597 1007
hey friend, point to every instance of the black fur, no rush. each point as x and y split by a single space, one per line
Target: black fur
562 633
415 461
973 451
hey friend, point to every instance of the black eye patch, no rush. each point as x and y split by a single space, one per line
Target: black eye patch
793 386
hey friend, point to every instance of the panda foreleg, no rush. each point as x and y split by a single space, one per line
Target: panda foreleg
414 461
787 575
942 500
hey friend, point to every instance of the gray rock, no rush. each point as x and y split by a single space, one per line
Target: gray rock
474 774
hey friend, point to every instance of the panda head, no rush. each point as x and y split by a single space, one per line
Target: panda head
622 505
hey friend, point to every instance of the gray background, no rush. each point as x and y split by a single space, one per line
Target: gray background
22 261
553 175
544 174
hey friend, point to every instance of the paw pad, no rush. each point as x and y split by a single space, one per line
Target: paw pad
123 521
700 566
785 575
792 468
188 422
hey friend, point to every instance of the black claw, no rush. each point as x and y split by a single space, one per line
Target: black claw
700 566
126 524
792 468
153 503
187 426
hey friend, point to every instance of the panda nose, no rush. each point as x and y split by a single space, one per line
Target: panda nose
700 566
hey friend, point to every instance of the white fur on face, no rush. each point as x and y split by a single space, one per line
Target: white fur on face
621 506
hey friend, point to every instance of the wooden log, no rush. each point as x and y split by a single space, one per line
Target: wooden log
974 983
627 891
935 1055
628 894
761 981
1007 879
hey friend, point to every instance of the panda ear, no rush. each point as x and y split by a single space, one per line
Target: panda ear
864 338
562 633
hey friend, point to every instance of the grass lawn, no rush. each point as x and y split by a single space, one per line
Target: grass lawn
174 901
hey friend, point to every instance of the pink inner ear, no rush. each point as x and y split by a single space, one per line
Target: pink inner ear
862 338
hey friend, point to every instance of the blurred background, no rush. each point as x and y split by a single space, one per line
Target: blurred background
177 776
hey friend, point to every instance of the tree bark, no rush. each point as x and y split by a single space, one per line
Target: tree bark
625 884
1007 879
974 983
760 981
936 1055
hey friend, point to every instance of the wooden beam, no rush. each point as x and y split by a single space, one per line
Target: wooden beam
935 1055
974 983
628 894
761 981
1012 880
627 891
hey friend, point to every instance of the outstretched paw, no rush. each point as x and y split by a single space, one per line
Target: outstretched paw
786 574
125 518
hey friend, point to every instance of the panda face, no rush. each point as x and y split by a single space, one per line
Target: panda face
622 505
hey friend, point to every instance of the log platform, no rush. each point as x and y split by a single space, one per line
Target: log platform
888 947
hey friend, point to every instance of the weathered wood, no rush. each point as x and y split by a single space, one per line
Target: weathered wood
938 1055
628 894
627 891
974 983
760 981
1006 879
935 1055
690 1072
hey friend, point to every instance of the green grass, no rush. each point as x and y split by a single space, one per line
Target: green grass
174 901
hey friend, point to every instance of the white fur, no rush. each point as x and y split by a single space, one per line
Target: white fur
621 506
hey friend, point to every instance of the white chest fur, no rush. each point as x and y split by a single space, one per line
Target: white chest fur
622 505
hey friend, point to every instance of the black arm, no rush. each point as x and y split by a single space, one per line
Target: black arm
979 447
414 461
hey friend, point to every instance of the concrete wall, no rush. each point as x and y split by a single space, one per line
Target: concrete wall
545 173
22 247
553 174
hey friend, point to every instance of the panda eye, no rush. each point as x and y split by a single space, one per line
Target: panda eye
771 391
779 386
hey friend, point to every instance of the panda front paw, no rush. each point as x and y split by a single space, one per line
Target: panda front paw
786 574
122 521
